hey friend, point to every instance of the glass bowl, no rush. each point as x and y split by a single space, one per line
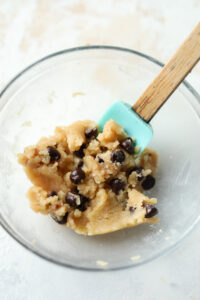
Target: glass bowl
81 83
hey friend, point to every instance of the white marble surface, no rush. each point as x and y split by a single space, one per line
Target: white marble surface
30 29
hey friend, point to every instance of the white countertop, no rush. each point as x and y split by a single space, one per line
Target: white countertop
32 29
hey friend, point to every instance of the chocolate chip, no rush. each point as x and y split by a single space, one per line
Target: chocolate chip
77 176
80 164
148 182
80 153
60 220
82 207
138 170
132 209
72 199
151 210
117 185
100 160
76 200
91 133
75 190
103 149
53 153
118 156
128 145
51 194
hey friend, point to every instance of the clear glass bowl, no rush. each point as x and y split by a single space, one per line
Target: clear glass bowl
81 83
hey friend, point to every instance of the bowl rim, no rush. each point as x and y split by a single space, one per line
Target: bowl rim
17 237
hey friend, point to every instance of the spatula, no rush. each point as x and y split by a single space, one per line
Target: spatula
135 120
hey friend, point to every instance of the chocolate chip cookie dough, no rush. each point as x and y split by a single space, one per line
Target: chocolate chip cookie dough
91 182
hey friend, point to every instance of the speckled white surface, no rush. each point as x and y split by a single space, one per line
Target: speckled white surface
30 29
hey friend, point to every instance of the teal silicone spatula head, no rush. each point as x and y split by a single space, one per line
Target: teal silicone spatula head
134 126
135 120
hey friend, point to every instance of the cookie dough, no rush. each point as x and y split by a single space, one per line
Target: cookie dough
90 181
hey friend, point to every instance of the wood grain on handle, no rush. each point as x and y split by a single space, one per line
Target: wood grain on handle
170 77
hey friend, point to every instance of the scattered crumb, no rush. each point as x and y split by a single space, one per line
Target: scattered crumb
101 263
163 279
33 241
20 111
27 124
78 8
160 230
167 238
51 97
78 94
135 257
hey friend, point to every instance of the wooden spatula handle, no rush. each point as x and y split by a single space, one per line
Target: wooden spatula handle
170 77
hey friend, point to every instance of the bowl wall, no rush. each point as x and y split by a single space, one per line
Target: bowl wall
81 84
